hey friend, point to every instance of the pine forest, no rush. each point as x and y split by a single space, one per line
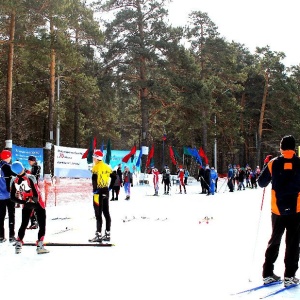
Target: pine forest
117 70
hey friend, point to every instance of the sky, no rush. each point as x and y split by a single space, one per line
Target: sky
255 23
163 250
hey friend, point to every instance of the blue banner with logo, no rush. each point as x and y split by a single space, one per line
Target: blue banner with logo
21 154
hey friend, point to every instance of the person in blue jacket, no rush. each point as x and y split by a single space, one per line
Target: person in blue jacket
230 176
213 180
5 202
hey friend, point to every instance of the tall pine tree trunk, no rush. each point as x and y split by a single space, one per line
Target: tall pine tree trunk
262 116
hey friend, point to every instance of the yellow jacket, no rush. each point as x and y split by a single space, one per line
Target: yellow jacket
103 171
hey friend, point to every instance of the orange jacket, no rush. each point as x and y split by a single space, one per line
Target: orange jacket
284 173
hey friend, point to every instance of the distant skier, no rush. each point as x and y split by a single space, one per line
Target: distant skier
166 179
230 176
127 182
155 174
213 180
181 180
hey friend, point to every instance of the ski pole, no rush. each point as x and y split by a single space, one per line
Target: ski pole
220 188
226 186
208 187
257 231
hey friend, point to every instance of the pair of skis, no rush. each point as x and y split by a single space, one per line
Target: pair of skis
272 293
72 244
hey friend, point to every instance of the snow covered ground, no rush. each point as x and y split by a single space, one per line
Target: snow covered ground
164 250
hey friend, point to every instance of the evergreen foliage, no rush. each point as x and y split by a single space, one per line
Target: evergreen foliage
128 76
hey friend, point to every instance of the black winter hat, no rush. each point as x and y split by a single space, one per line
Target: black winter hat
32 158
288 143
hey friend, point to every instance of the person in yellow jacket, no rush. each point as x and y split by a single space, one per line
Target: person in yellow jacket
100 180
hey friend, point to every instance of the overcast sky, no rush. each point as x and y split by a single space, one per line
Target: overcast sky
255 23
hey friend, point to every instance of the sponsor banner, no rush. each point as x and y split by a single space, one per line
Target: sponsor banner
21 154
68 162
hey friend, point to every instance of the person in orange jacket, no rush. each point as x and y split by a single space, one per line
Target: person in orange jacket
284 173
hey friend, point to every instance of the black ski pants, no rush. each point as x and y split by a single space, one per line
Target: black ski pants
41 218
102 207
10 206
166 185
290 224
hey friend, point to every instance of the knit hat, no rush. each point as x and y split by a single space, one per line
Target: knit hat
17 167
288 143
98 154
32 158
5 154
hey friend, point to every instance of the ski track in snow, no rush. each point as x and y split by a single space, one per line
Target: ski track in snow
163 250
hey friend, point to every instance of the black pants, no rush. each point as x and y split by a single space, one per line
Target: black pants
230 184
290 223
166 185
102 207
33 218
41 218
115 190
11 217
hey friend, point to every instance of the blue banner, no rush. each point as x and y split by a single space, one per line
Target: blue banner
68 162
21 154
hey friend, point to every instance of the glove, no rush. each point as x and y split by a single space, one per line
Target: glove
267 159
96 191
132 185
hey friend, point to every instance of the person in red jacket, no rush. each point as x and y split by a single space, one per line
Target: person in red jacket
181 180
284 174
24 190
155 173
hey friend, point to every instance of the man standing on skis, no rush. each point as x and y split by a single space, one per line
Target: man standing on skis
166 180
24 190
284 173
100 180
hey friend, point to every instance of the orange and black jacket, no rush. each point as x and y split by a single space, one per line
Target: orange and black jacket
284 173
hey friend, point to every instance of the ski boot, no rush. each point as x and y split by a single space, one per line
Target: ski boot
40 248
97 238
18 246
106 237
